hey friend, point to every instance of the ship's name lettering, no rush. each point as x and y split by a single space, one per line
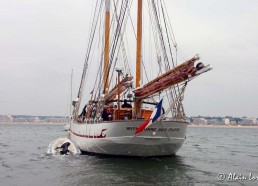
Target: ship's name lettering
155 129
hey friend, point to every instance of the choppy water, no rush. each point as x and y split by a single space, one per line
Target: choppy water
206 153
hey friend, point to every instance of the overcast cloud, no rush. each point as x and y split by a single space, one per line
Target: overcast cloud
41 40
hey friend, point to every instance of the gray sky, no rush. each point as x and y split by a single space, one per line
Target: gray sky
41 40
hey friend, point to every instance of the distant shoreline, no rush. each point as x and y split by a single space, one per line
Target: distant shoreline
222 126
34 123
190 126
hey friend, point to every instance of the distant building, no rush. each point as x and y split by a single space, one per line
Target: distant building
232 123
227 121
6 118
254 120
200 121
248 121
36 119
32 119
214 121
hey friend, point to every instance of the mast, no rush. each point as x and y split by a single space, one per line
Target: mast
71 98
138 56
106 48
118 95
139 44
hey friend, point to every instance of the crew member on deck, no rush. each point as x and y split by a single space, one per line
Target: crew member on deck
83 114
105 114
126 105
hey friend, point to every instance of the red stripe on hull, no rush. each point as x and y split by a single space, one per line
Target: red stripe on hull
89 136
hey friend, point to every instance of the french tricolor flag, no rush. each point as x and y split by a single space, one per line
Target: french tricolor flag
154 116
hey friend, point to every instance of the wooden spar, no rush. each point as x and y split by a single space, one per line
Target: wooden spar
137 103
139 45
106 49
190 61
124 84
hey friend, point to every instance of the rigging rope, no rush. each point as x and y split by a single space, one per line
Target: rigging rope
91 38
118 33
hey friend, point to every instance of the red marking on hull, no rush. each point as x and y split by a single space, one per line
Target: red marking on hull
89 136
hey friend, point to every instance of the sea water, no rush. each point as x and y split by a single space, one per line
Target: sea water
210 156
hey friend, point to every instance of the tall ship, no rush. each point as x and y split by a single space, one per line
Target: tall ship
131 105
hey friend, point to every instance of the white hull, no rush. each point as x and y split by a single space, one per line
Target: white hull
117 138
67 127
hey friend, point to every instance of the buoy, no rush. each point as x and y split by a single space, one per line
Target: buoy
63 146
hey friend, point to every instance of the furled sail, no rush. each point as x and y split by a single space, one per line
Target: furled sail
172 77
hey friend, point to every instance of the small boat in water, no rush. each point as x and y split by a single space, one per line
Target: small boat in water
63 146
151 121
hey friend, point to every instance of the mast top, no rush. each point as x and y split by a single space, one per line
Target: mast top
107 5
